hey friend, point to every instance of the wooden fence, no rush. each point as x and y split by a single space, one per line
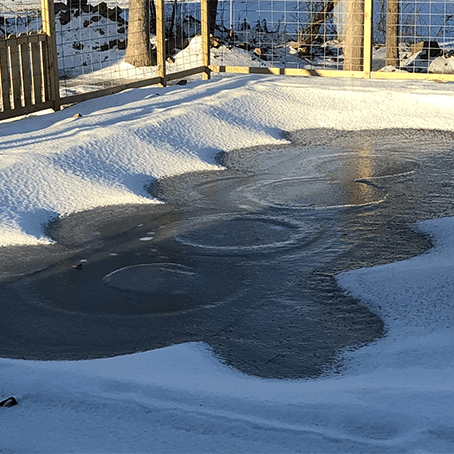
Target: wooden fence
25 74
29 66
28 69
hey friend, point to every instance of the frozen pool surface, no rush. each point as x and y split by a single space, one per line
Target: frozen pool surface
243 258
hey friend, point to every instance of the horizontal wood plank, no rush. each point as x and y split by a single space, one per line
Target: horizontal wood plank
25 110
185 73
110 91
436 77
287 71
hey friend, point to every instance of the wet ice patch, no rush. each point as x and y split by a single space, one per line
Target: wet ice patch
312 193
352 166
166 289
245 234
157 279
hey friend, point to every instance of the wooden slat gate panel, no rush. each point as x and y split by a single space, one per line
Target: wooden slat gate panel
24 74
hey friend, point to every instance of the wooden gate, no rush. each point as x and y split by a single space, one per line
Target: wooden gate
28 70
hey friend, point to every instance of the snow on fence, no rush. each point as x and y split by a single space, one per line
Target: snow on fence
83 48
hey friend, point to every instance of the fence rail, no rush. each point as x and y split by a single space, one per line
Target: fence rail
80 44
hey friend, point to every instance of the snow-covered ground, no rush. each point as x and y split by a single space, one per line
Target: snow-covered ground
396 395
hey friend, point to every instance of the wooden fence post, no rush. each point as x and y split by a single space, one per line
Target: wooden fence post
205 39
161 41
368 30
354 36
48 16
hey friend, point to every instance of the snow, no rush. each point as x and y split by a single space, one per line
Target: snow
395 395
120 143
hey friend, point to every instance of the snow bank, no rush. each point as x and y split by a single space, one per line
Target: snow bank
181 399
122 142
426 282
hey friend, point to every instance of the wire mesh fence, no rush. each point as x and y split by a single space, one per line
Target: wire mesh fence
92 43
408 37
103 46
415 37
19 16
277 33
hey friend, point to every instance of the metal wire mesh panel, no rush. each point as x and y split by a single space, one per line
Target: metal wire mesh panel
278 33
90 39
410 36
92 43
19 16
414 36
183 36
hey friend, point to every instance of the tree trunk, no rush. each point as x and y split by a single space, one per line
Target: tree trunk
138 51
354 36
310 33
392 34
152 17
212 11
